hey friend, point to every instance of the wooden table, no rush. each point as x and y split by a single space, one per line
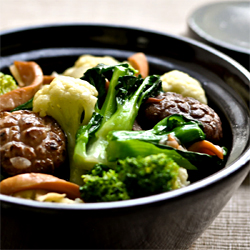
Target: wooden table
231 229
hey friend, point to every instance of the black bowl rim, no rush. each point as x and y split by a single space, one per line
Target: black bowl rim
209 38
194 187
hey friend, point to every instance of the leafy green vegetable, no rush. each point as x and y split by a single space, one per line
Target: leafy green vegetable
122 149
97 76
186 130
7 83
126 93
124 144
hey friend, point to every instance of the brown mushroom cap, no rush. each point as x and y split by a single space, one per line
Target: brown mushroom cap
173 103
30 143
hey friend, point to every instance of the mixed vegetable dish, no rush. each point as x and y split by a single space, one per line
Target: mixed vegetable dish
103 130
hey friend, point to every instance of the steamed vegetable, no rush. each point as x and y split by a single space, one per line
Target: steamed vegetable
109 161
102 184
119 108
207 147
185 130
181 83
7 83
86 62
139 62
149 175
124 144
133 178
70 102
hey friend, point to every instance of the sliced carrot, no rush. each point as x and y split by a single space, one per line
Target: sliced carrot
153 100
139 62
207 147
31 76
31 181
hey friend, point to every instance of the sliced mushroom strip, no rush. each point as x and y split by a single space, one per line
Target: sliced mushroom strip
29 75
32 181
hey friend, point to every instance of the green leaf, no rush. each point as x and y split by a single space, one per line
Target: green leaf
132 148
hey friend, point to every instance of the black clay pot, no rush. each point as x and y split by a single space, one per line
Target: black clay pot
172 220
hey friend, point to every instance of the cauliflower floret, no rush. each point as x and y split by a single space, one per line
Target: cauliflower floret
86 62
66 99
182 178
181 83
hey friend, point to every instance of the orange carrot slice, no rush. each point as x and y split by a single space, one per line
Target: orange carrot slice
207 147
153 100
139 62
31 76
31 181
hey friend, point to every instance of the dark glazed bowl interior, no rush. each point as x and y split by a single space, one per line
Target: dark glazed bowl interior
171 220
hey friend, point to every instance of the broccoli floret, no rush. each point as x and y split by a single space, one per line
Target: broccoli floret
7 83
102 184
134 177
70 101
144 176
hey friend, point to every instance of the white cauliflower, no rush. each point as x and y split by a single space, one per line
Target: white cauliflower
182 178
181 83
66 99
86 62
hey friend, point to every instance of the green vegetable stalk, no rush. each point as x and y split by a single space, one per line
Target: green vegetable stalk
66 99
186 130
119 109
124 144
